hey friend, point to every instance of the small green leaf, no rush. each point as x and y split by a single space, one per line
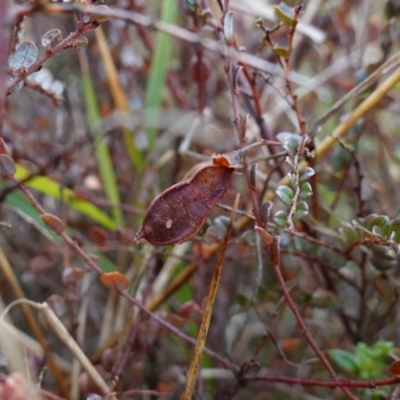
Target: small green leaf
290 142
102 18
191 5
305 190
383 264
241 299
306 173
222 220
292 180
301 210
281 52
285 14
216 232
340 159
285 194
24 57
280 218
80 42
247 237
349 234
394 230
392 9
343 359
377 224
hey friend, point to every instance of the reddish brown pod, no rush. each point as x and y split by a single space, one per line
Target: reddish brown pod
176 214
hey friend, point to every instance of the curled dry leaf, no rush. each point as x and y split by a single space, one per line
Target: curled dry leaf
267 238
114 280
176 214
230 160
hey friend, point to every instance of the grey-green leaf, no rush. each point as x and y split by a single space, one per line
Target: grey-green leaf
16 87
25 56
52 38
305 190
81 41
306 173
285 194
290 142
280 218
285 14
301 210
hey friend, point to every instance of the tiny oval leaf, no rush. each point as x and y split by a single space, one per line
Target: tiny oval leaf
191 5
285 194
54 223
290 142
285 14
301 210
114 280
25 56
103 17
306 173
305 190
52 38
280 218
281 52
81 42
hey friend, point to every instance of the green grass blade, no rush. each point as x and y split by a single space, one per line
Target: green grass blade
47 186
22 206
159 64
26 211
104 161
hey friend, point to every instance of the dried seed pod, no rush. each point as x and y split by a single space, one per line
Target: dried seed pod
176 214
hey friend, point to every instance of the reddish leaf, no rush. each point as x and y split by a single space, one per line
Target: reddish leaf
394 368
98 235
176 214
191 310
114 280
40 264
83 193
199 70
72 276
54 223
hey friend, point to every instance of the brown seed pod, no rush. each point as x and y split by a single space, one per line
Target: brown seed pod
176 214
